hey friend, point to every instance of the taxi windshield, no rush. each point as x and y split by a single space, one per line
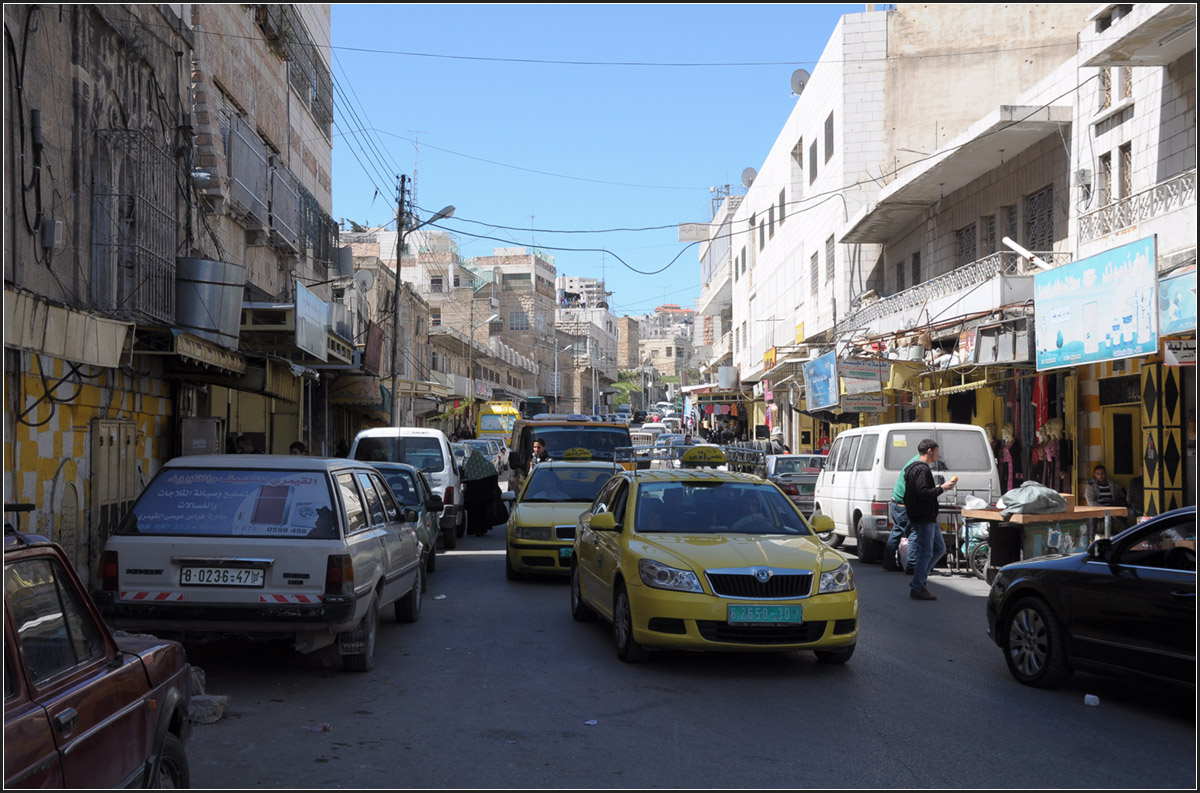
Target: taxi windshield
600 441
551 484
715 508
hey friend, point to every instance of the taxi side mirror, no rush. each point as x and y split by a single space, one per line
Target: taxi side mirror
603 521
821 523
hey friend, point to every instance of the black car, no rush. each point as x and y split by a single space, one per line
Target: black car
1127 606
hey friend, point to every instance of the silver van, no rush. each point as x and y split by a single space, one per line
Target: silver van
864 463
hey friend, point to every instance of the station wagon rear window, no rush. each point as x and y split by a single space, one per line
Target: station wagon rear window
197 502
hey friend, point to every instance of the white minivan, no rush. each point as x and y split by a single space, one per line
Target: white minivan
427 450
864 463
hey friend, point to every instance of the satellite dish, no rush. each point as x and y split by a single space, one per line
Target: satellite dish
748 176
799 80
364 280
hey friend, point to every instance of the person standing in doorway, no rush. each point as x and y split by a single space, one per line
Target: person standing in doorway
901 527
921 503
246 446
298 448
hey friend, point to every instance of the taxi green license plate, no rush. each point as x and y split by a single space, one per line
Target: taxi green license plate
221 576
565 553
764 615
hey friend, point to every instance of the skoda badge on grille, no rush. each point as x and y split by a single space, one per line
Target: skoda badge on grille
762 574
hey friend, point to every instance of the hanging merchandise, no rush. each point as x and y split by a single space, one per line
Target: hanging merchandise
733 410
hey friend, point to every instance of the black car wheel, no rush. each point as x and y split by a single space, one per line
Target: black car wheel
1033 647
408 608
580 611
173 769
839 656
869 550
366 633
628 650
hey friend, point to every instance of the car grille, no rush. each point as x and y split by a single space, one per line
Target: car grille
746 585
564 532
803 633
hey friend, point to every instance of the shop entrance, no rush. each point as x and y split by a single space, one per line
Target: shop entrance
1122 426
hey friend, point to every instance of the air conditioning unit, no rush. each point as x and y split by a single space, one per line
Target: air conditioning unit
1083 177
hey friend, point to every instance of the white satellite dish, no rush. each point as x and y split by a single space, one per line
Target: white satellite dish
799 80
364 280
748 176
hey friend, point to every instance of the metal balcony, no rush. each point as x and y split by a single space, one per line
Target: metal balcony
1175 193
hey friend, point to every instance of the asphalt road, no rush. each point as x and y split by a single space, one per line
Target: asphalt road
497 687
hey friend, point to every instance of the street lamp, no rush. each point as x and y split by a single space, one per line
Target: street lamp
557 381
403 232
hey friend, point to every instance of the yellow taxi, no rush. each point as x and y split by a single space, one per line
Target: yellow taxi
541 525
698 558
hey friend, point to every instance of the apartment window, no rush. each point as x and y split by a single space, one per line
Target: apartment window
1039 220
829 137
518 320
1126 82
1009 214
815 272
1105 178
964 245
737 339
669 351
1105 88
782 207
745 336
771 222
435 283
899 275
743 260
496 328
989 234
829 256
736 268
1126 155
798 169
457 281
812 162
915 275
435 317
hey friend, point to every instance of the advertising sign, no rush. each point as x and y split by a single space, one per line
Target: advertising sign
1179 352
863 403
1177 304
1100 308
312 323
821 381
863 377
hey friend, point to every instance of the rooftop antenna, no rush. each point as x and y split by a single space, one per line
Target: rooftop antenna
416 160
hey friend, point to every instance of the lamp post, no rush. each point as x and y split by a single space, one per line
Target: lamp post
401 233
557 381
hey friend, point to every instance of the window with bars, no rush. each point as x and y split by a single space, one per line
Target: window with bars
435 317
1039 220
1126 154
436 283
518 320
1105 169
815 271
916 269
829 137
1010 221
989 234
964 245
1105 88
899 267
1126 82
830 248
496 328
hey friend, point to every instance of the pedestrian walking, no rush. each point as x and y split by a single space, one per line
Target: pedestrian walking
481 494
901 527
921 503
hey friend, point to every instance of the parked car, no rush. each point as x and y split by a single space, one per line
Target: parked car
543 514
796 475
855 485
83 708
309 549
412 490
698 558
1125 607
426 449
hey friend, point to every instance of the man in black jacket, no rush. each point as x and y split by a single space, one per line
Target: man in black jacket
921 504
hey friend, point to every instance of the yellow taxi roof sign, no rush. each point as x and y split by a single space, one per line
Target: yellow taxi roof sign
703 455
577 454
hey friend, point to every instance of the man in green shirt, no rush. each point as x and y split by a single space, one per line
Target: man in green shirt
900 525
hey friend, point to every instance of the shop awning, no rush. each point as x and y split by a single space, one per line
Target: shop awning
33 324
355 389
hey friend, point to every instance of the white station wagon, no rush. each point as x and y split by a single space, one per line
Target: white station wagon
264 546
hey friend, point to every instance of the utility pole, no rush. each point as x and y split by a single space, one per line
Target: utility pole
401 223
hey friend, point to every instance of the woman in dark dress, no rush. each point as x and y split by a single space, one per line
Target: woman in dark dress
481 493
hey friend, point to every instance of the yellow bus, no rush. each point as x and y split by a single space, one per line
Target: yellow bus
496 420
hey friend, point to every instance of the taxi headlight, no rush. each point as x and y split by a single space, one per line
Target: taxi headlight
661 576
839 580
533 533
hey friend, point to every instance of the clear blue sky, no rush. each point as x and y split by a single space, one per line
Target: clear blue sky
611 140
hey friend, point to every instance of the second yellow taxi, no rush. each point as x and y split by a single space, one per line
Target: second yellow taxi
698 558
541 525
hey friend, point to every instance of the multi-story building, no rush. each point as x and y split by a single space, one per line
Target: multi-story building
576 292
591 334
671 356
792 277
629 335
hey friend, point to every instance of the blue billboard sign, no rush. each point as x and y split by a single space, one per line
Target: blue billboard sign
1100 308
821 382
1177 304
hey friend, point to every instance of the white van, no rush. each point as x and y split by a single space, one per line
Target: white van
864 463
427 450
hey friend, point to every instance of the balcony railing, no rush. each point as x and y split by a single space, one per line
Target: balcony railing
1175 193
969 275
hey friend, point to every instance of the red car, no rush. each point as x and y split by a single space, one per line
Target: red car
82 708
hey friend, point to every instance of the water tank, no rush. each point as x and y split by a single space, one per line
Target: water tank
208 299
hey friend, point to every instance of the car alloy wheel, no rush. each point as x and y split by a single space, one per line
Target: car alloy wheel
1034 647
628 650
580 611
